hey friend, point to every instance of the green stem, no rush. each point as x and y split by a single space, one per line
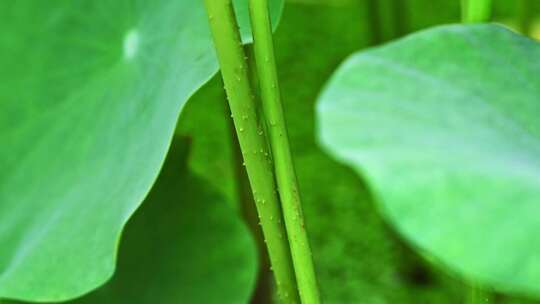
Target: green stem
263 287
387 18
525 16
279 143
400 18
374 22
474 11
477 295
474 297
235 75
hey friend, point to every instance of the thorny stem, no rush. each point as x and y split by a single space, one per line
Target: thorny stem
235 75
473 11
263 288
279 143
262 293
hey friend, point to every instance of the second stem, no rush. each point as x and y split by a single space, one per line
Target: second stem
279 143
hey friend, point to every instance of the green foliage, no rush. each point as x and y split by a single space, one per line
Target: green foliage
90 94
252 140
183 239
89 106
448 141
357 258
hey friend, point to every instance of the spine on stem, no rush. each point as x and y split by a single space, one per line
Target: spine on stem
279 143
252 141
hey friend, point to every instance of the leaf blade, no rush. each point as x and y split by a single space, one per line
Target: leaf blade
440 124
88 109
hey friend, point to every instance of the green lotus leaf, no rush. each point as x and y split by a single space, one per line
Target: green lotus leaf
183 239
90 92
443 126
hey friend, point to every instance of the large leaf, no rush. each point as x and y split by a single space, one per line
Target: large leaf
443 125
184 239
90 92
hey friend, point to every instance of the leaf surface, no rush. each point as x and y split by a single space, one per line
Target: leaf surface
183 240
90 92
443 125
